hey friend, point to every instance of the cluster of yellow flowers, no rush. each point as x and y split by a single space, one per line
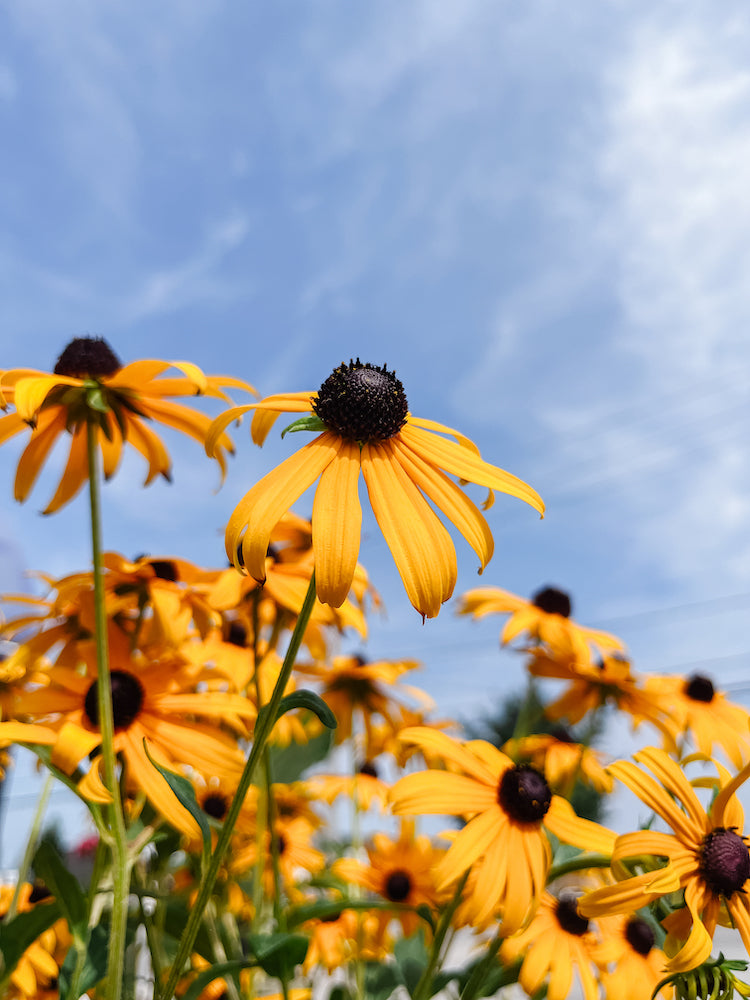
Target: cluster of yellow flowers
220 792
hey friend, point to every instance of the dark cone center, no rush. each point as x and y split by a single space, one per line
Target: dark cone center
640 935
362 402
725 862
87 357
369 769
524 794
553 601
215 805
699 688
127 699
237 634
165 569
568 916
397 886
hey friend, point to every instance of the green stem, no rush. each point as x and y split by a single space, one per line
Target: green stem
263 726
31 846
120 861
481 969
423 988
577 864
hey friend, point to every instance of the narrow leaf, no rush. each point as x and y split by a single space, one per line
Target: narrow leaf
185 794
311 701
308 423
94 966
17 934
64 886
277 954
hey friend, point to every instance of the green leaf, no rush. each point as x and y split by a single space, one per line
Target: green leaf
222 970
94 966
340 993
311 701
411 955
381 980
290 762
307 423
64 886
277 954
185 794
17 934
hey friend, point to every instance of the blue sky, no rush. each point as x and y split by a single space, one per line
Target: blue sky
537 214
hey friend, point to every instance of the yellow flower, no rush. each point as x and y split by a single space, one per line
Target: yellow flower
89 384
366 426
153 701
707 855
37 967
556 943
402 871
631 964
696 708
508 806
545 618
562 760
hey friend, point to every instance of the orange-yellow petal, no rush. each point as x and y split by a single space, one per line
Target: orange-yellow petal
337 525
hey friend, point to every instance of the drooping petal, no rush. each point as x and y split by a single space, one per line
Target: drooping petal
30 393
562 820
657 798
261 509
698 946
72 745
336 525
673 779
471 842
451 750
451 499
460 461
268 410
111 448
151 447
420 545
42 440
440 792
10 425
76 472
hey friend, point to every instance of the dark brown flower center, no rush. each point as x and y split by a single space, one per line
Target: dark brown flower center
369 769
568 916
397 886
237 634
165 569
699 688
87 357
215 805
640 935
362 402
553 601
524 794
127 699
725 861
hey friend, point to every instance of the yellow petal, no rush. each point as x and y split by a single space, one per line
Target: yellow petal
420 545
451 500
336 525
261 509
71 746
31 392
76 472
35 454
460 461
471 843
150 446
562 820
440 792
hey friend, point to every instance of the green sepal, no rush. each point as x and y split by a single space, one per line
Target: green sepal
94 966
96 400
17 934
278 954
65 887
311 422
185 794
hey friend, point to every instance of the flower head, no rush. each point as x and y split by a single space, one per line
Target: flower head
89 386
707 856
366 426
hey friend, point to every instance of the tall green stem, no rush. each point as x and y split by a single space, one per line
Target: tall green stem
423 989
119 847
263 727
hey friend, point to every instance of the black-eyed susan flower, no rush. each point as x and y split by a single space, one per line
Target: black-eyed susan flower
155 701
702 713
508 807
562 760
38 967
366 427
557 944
707 857
402 871
545 619
631 963
89 385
